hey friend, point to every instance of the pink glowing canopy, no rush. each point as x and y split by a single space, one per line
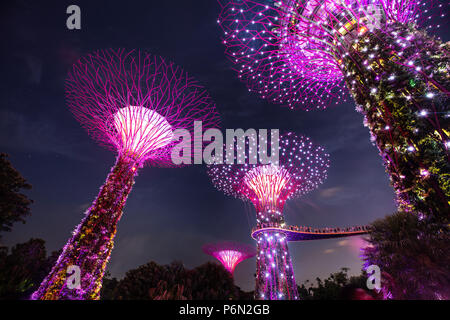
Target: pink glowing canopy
289 51
133 102
230 254
142 130
302 168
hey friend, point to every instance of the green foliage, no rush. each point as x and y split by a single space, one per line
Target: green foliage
413 256
392 95
338 286
14 206
23 269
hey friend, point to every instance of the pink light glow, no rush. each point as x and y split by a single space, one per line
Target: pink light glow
267 182
142 130
134 101
302 168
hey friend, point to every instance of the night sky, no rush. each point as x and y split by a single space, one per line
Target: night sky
170 213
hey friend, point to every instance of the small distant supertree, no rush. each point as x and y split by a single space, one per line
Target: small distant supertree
301 167
230 254
306 53
131 102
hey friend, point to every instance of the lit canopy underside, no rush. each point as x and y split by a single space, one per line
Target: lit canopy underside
301 168
142 131
290 51
230 254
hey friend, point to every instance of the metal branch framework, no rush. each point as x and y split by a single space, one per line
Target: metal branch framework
301 168
306 53
132 102
230 254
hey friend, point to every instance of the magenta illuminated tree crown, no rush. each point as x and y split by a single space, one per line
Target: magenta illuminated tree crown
302 168
133 101
289 51
230 254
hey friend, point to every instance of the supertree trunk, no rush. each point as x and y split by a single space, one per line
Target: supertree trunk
92 241
274 273
400 80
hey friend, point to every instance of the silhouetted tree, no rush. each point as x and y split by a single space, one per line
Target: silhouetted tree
14 206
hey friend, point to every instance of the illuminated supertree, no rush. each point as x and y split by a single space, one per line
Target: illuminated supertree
132 102
230 254
302 53
301 167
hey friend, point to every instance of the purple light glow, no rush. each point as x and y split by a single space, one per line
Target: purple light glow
132 102
290 51
142 131
302 166
230 254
